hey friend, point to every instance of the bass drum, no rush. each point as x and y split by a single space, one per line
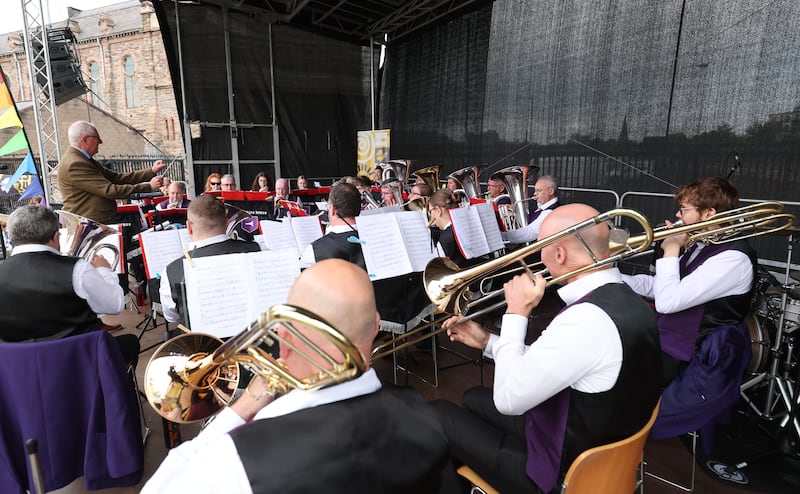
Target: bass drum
760 343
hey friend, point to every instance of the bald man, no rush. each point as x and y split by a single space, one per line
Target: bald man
274 209
352 437
591 378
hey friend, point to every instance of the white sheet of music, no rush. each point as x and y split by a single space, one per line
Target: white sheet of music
395 244
278 235
491 228
306 230
225 293
417 236
382 210
160 248
468 231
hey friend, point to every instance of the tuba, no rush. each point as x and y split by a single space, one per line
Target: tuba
515 179
193 376
395 169
86 238
429 175
467 178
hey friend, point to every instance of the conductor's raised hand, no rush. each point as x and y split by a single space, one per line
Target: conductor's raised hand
523 293
469 333
156 182
158 166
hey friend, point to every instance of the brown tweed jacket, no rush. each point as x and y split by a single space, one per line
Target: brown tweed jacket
90 190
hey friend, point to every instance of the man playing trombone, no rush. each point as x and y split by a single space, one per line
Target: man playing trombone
591 378
356 436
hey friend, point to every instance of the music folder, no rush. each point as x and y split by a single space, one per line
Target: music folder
476 230
395 244
159 248
294 232
226 293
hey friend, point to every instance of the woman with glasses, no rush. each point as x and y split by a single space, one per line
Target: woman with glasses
442 228
213 182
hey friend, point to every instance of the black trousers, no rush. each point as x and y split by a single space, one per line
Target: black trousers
490 443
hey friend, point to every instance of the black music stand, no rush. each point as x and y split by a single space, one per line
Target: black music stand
150 320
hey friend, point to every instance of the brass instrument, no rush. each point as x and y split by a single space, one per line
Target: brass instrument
467 178
515 179
366 198
429 175
449 288
85 238
395 169
193 376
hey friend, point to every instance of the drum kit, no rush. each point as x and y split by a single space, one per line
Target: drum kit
770 387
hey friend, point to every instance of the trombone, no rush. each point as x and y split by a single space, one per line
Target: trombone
449 288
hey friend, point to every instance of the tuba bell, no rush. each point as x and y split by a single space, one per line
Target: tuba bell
86 238
515 179
467 179
429 175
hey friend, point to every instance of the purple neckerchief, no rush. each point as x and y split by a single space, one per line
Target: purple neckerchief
678 331
535 214
545 426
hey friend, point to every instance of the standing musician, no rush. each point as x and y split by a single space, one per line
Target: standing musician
88 188
341 239
545 191
207 223
591 377
706 287
349 437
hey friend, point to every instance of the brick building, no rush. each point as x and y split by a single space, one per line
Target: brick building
126 73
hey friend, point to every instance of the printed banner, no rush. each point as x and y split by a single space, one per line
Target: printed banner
373 147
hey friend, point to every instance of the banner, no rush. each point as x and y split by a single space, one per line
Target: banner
373 147
5 189
16 143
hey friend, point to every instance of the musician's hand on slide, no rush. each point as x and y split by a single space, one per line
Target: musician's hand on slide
158 166
469 333
524 293
156 182
100 262
256 396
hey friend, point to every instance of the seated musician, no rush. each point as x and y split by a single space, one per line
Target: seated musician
390 190
175 197
497 191
206 223
302 182
341 238
706 287
442 228
545 191
54 296
591 377
275 210
364 186
261 183
350 437
420 191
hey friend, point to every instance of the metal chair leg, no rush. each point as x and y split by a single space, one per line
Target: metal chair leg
690 487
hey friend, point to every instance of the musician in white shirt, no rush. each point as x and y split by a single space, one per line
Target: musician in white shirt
545 192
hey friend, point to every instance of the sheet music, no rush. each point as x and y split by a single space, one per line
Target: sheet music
278 235
306 230
274 272
417 238
261 241
383 246
225 293
216 294
159 248
468 232
382 210
491 228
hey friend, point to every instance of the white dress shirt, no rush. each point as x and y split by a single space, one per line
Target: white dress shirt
727 273
308 258
98 286
530 232
580 349
168 307
210 462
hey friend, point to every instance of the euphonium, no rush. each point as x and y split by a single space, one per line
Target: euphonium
515 179
467 178
85 238
429 175
193 376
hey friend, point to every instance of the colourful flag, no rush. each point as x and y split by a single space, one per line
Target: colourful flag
5 96
16 143
9 118
32 190
26 166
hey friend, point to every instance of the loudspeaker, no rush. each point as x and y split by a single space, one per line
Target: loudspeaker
64 67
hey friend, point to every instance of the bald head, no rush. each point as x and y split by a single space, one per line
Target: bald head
340 293
568 253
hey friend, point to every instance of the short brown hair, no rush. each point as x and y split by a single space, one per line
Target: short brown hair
444 198
707 193
207 215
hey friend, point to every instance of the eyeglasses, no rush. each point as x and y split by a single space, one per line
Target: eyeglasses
494 185
95 136
686 209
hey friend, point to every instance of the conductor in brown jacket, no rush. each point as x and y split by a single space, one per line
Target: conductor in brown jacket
87 187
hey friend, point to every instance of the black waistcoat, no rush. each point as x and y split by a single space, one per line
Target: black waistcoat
387 442
175 268
337 246
39 301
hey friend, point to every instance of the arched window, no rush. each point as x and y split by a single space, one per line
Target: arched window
95 84
130 82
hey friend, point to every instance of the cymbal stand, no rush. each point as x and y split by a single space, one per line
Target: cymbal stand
775 382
